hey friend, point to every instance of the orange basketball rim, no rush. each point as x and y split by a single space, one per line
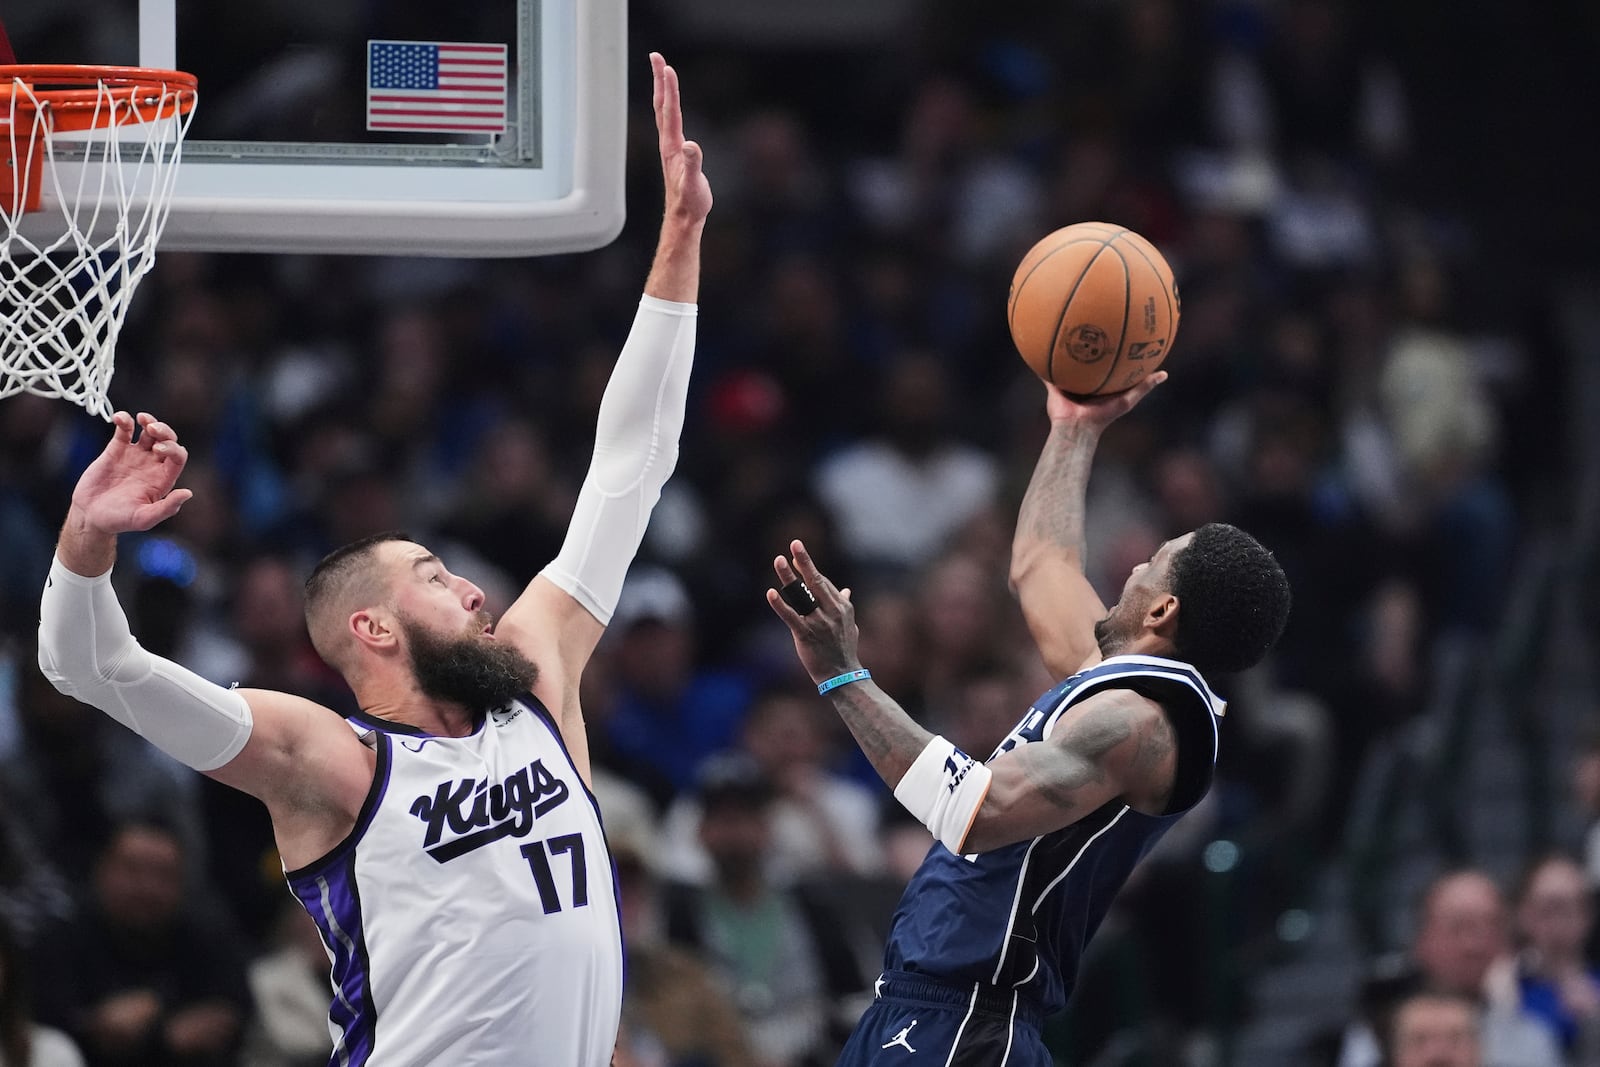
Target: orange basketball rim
71 98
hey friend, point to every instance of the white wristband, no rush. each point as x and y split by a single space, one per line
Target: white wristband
944 788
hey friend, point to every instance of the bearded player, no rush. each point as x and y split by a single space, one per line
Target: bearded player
444 839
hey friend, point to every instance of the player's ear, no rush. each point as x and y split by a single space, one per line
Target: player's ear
1162 618
374 628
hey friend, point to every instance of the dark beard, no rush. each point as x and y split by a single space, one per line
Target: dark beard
1109 640
1102 633
479 675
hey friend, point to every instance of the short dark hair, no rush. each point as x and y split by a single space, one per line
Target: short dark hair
732 779
337 565
1233 600
336 574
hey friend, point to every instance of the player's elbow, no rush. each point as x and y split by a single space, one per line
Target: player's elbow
996 822
52 673
73 668
1026 558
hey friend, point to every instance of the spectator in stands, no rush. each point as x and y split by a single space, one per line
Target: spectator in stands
824 825
1585 779
676 1011
32 892
784 953
1555 917
900 495
144 978
289 988
77 773
1462 933
1436 1030
23 1042
667 712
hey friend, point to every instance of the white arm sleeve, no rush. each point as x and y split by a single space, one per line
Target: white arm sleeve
87 652
635 449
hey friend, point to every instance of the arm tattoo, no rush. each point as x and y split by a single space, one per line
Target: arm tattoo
1076 761
888 737
1052 509
1157 743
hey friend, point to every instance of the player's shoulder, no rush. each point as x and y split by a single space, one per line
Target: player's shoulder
274 704
1164 680
1109 715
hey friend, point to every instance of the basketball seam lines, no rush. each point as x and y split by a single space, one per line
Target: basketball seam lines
1127 308
1166 291
1055 336
1016 289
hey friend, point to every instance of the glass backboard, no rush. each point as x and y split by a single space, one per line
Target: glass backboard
491 128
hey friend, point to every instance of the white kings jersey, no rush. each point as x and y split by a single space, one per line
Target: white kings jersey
471 915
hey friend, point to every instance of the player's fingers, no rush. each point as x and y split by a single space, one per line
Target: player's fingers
160 431
172 452
808 568
671 109
122 427
790 617
785 572
161 510
1143 388
691 158
656 63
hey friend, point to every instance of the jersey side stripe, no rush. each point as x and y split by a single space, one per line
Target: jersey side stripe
965 1019
333 904
1016 902
1011 1028
1058 878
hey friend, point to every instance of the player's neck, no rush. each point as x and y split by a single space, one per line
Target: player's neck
409 705
1144 643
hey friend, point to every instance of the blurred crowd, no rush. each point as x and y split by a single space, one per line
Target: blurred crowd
1344 386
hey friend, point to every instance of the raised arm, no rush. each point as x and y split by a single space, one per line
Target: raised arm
1048 550
558 620
296 755
1112 744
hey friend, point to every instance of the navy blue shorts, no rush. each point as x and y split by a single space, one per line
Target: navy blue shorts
915 1021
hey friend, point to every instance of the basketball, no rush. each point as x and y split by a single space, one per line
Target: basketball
1093 308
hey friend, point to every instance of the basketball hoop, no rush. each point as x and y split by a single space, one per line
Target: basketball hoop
90 158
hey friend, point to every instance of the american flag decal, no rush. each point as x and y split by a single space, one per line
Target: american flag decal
432 86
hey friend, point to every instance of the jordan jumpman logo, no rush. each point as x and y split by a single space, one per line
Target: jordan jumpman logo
900 1038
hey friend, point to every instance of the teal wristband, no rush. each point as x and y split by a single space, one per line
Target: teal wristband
844 679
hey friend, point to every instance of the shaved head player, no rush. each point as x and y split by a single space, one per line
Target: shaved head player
1033 845
444 839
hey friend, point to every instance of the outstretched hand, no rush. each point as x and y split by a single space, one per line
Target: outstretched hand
688 191
1098 412
130 485
825 638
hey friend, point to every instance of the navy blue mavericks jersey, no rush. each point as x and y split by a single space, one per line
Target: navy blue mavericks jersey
1020 916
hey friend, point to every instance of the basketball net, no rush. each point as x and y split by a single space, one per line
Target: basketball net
91 158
